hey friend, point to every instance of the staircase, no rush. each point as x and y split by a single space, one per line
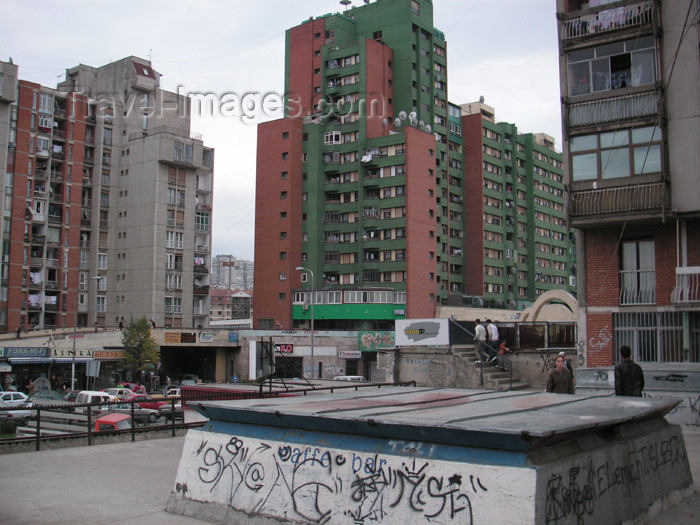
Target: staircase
494 378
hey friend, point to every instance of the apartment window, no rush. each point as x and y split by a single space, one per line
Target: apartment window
174 240
101 261
285 134
283 276
612 66
283 195
183 152
285 155
614 154
638 275
283 215
283 235
201 221
46 103
100 303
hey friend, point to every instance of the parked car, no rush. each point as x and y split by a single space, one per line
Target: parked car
147 401
354 379
46 397
96 398
167 412
173 391
13 412
13 399
113 422
141 414
120 392
71 395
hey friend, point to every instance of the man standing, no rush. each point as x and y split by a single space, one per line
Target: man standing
629 377
560 380
492 331
482 348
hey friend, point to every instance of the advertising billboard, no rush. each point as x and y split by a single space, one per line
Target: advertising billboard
422 332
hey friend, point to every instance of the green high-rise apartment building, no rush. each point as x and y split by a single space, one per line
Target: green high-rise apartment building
362 187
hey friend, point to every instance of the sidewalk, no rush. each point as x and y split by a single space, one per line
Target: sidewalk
130 483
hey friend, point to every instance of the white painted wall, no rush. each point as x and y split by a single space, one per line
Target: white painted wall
316 484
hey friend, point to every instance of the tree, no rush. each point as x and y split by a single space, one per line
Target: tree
140 348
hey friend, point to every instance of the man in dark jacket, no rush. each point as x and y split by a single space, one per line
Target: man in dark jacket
629 377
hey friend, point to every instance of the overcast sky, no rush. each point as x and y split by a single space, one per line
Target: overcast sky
503 50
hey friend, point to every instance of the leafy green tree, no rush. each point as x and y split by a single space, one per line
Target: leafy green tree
140 348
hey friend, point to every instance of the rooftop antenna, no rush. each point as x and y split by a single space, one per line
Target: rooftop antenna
346 3
150 54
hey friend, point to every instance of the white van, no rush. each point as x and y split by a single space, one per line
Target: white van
356 379
94 397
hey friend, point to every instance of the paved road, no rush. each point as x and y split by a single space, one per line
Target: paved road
130 483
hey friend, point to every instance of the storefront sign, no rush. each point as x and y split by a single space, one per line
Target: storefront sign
172 337
28 351
108 354
284 348
68 352
372 341
233 337
422 332
350 354
188 337
206 337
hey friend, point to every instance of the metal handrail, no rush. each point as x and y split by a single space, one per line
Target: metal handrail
507 363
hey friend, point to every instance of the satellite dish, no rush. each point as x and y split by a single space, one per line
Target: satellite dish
384 122
412 115
481 99
421 124
402 115
428 128
397 122
413 122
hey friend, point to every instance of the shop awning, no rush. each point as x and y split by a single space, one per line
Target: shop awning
46 360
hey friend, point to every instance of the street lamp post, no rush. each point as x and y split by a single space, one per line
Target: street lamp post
313 363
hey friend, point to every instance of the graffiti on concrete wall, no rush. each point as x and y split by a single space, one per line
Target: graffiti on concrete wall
319 485
600 341
599 482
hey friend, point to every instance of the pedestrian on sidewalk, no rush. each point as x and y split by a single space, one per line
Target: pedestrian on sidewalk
560 380
487 354
629 376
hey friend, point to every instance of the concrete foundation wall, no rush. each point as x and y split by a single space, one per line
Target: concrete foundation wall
254 476
610 478
243 476
440 368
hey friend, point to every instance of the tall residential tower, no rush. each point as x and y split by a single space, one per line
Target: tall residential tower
107 210
629 75
369 195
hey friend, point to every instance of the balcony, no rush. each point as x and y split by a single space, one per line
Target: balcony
604 19
200 290
201 248
593 203
637 287
613 109
200 269
687 290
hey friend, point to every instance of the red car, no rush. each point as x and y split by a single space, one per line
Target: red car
147 401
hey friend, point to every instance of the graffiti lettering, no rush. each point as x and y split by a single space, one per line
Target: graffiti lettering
671 377
304 483
577 492
601 375
602 340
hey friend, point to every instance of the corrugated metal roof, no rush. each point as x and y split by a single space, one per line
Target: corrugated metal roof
516 420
